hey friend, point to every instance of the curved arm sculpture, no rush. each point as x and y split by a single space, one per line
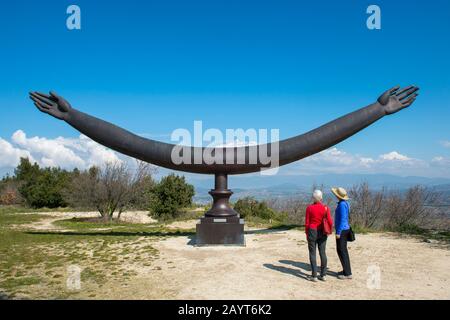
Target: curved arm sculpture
290 150
160 153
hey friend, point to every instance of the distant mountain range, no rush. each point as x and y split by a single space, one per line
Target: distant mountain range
278 186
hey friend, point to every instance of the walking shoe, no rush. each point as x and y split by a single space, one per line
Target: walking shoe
311 278
322 278
343 277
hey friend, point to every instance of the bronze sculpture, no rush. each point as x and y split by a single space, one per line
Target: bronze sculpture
221 224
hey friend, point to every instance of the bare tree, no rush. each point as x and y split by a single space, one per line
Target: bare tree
379 209
367 205
111 188
412 208
9 193
295 208
415 207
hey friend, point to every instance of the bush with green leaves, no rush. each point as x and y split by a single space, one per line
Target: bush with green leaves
169 195
250 207
41 187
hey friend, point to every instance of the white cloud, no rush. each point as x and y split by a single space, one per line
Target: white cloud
10 155
68 153
445 143
394 156
334 160
51 152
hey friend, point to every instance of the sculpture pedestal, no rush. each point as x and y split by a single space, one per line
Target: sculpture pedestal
221 225
220 231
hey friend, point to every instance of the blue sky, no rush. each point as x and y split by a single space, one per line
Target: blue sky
156 66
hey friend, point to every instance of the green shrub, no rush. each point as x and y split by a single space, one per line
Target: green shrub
170 195
41 187
250 207
409 228
357 228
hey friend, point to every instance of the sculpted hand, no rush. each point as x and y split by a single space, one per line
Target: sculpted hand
52 104
395 100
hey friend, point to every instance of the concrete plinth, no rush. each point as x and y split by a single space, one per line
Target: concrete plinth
220 231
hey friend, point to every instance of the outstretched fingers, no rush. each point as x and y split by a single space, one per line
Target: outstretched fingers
36 98
42 94
40 102
410 100
407 93
393 90
405 89
54 94
43 97
41 107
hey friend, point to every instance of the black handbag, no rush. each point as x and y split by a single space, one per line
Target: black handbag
351 235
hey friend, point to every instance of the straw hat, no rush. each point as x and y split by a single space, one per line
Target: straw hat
340 193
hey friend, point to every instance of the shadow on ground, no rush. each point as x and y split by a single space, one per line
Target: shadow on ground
274 229
299 268
294 272
116 233
177 233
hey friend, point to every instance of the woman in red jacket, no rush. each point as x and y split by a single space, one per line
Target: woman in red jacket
317 215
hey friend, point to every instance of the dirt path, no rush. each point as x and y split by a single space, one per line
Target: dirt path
50 217
273 265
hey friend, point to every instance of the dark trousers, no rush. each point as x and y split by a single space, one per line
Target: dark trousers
342 251
317 239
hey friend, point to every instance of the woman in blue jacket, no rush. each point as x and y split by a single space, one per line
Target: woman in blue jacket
342 226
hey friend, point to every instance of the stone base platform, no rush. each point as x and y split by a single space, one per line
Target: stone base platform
220 231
